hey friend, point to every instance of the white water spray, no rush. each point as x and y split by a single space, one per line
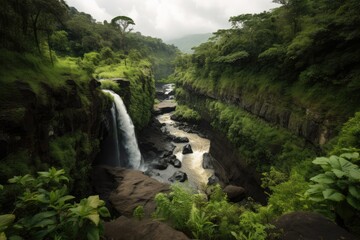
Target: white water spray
126 132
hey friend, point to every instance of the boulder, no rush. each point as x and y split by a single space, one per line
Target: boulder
178 176
213 180
174 161
234 193
187 149
124 228
165 106
160 164
176 139
126 189
207 161
308 226
177 163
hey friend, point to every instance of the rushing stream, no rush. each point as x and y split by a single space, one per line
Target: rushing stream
192 162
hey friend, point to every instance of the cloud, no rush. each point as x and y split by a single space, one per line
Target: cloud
170 19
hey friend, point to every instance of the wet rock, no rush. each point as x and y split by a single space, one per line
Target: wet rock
177 163
213 180
207 161
178 176
234 193
124 228
132 188
166 153
307 226
176 139
174 161
165 106
187 149
160 164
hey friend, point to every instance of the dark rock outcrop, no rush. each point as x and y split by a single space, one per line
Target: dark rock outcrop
174 161
207 161
125 189
309 226
304 121
165 106
177 139
213 179
234 193
124 228
187 149
153 143
160 164
178 176
231 168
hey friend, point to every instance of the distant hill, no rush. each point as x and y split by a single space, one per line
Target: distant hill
186 43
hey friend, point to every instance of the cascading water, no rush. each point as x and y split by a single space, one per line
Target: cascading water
126 152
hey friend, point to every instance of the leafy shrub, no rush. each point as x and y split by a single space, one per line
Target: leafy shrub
337 185
288 196
43 210
215 218
184 113
349 135
139 212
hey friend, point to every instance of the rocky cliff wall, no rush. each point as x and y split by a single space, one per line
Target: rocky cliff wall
53 126
314 126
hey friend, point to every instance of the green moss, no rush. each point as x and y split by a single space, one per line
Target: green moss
111 85
187 114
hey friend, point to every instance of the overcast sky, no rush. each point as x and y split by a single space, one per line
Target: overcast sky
169 19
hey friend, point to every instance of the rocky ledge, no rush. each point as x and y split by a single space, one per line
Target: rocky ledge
125 189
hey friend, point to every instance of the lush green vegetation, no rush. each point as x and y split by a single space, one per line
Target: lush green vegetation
213 218
303 58
51 110
184 113
304 53
334 194
44 210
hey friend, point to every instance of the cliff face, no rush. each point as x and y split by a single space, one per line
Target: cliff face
58 127
314 126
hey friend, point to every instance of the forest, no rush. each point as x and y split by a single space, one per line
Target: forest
281 86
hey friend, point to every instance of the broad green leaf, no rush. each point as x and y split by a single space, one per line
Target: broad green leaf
94 201
41 216
334 162
350 156
354 191
353 202
316 188
45 223
355 174
321 161
338 173
322 178
41 234
346 166
93 234
65 198
333 195
95 218
6 220
104 212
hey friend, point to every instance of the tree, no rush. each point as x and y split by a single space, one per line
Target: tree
122 23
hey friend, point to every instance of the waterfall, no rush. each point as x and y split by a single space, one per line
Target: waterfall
127 152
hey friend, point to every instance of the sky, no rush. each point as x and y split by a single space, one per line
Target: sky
171 19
